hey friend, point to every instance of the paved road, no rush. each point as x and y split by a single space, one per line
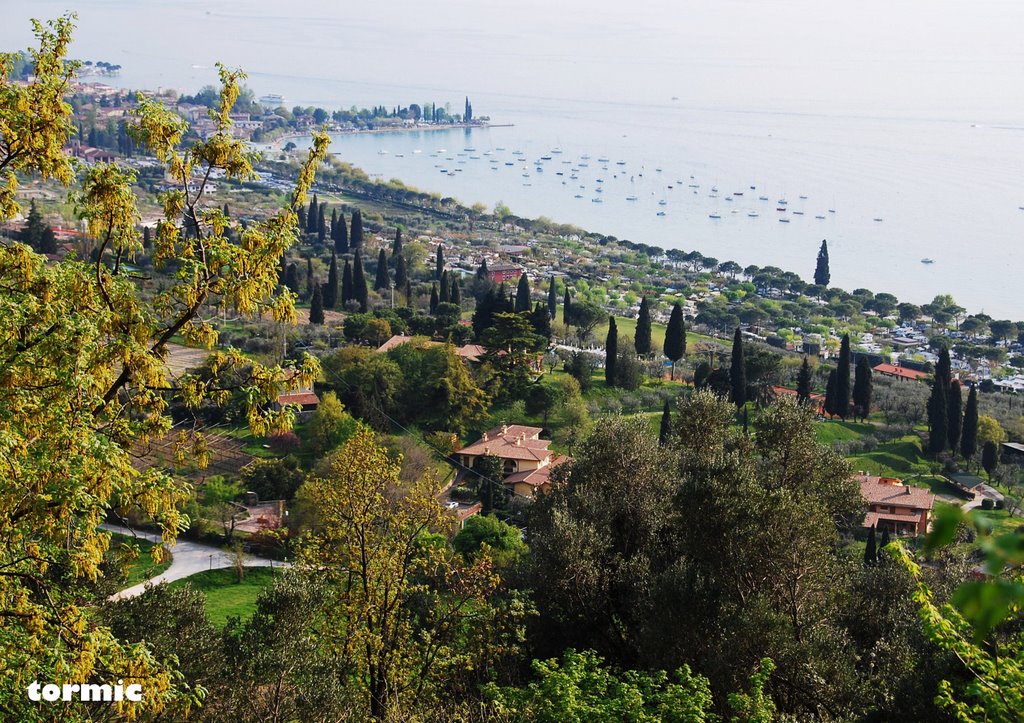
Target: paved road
187 559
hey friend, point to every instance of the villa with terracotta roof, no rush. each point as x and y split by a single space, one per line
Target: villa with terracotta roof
526 460
899 372
467 352
892 505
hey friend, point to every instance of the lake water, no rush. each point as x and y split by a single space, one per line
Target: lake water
911 114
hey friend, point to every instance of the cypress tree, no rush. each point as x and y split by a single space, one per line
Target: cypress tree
331 291
821 271
396 247
843 378
321 223
675 337
439 262
990 457
32 235
871 549
738 371
883 544
938 405
456 296
611 352
292 279
567 308
552 298
642 342
483 315
341 239
444 293
226 210
316 306
346 284
434 300
333 233
954 415
301 213
310 281
830 394
862 388
356 237
482 273
969 433
383 280
541 321
401 274
666 425
523 294
803 383
312 215
360 291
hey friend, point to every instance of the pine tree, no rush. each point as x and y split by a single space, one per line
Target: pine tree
360 291
803 383
871 549
552 298
843 378
292 278
969 433
456 296
666 425
444 293
316 306
347 293
401 275
34 228
862 388
611 352
954 415
434 299
830 394
396 247
439 262
822 274
341 239
567 308
321 223
523 294
383 279
738 371
356 237
331 290
675 337
310 281
642 342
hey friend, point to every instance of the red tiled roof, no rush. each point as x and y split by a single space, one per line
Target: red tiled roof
469 352
536 477
510 442
888 491
895 371
871 519
302 398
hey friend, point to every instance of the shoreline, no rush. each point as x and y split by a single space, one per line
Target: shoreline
279 143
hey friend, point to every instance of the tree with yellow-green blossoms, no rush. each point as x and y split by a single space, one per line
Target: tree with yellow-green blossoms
83 378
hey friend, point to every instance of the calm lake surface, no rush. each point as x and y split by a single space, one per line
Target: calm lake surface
912 114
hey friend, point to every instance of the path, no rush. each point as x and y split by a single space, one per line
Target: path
187 558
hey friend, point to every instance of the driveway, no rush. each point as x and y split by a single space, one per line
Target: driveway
187 558
980 493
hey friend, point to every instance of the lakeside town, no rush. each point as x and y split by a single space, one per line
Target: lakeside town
490 457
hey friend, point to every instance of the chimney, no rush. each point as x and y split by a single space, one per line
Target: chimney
485 436
908 490
504 429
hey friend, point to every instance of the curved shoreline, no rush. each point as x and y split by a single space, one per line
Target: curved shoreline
279 143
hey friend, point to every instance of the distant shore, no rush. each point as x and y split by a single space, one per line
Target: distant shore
279 143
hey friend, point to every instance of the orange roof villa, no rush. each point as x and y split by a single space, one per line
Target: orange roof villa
892 505
526 460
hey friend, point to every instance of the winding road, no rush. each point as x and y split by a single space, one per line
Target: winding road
187 558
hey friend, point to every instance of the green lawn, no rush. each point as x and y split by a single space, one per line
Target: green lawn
832 431
225 596
143 568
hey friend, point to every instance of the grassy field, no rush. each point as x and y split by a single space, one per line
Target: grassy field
143 568
225 596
